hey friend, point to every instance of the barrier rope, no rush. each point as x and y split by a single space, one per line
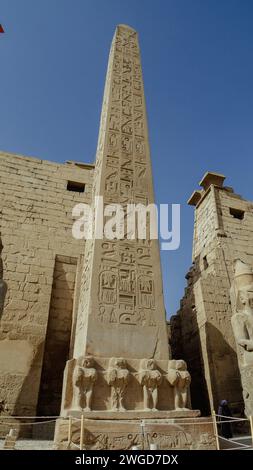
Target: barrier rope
231 418
71 442
30 417
28 424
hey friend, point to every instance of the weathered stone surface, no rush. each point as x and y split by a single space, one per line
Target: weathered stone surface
136 374
111 435
97 305
180 379
150 379
242 324
84 377
202 330
3 285
117 378
36 230
135 414
121 299
121 316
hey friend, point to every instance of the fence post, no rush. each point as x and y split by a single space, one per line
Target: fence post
251 427
82 432
70 430
142 424
215 429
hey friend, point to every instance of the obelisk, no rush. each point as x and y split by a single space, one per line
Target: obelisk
121 311
120 372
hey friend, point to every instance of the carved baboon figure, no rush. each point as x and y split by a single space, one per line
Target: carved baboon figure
180 379
84 377
150 379
118 377
3 285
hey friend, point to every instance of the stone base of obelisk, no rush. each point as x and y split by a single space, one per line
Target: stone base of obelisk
163 430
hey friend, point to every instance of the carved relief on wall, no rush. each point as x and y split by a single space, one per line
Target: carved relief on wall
126 144
143 255
146 291
180 379
104 441
118 377
107 314
126 283
108 287
122 273
84 377
170 439
113 141
111 182
3 285
127 254
141 181
150 379
146 318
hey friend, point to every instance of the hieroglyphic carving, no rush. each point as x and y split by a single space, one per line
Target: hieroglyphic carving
107 314
146 291
171 440
94 441
108 287
104 441
121 281
3 285
206 441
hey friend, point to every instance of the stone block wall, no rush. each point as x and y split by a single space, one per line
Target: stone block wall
202 328
36 228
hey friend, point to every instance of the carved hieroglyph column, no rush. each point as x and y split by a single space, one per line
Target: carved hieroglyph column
121 311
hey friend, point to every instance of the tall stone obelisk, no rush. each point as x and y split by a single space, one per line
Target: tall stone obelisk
120 372
121 311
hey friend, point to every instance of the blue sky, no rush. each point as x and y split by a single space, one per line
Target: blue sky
197 58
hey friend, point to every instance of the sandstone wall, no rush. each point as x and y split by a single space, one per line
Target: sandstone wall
202 331
36 221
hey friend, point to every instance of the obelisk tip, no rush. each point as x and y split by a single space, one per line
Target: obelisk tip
126 26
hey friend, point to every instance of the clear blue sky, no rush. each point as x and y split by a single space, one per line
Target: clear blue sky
197 60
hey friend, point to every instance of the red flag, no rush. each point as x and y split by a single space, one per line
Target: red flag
1 29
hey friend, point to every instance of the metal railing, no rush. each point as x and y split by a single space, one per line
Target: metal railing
231 443
20 426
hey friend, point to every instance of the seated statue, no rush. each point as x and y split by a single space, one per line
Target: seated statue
180 379
118 377
150 379
84 377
